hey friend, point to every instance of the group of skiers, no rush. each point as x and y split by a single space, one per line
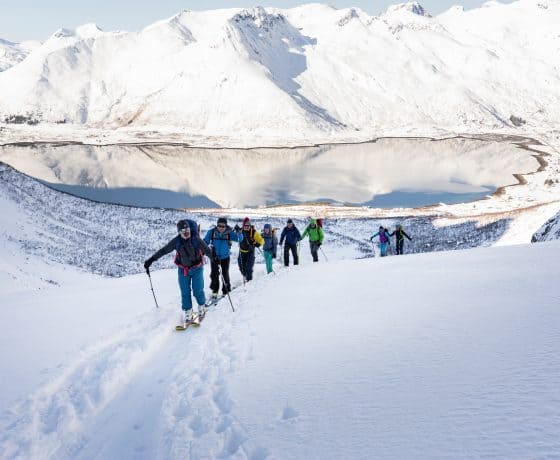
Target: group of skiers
385 239
216 245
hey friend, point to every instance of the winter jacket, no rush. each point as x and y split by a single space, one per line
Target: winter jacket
384 236
270 240
291 235
250 239
187 255
221 242
400 234
315 233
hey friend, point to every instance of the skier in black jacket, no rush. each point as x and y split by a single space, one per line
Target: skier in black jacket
292 236
399 235
189 259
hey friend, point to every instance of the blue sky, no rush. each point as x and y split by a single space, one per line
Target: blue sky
38 19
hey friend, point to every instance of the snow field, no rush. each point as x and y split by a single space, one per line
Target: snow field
430 354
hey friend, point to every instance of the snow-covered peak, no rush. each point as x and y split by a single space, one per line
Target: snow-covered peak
88 31
409 7
259 17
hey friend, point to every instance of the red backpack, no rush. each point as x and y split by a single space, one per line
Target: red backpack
319 223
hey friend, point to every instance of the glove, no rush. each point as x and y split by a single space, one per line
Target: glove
147 264
274 256
257 245
237 228
319 244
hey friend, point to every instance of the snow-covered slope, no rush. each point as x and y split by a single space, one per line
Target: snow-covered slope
12 53
549 231
449 355
311 72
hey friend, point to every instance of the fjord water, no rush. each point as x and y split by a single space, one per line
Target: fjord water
390 172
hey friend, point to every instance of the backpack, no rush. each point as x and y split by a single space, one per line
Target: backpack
214 237
319 223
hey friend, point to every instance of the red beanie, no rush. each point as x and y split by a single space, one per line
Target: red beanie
246 221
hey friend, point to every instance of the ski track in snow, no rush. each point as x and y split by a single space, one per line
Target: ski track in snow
56 414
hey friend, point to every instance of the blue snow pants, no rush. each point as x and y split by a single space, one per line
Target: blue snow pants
194 277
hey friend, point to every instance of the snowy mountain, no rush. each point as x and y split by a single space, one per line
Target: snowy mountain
303 73
12 53
450 354
549 231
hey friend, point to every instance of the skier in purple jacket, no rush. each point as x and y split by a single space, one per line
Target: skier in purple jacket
384 240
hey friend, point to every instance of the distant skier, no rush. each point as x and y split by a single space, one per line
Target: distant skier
384 240
292 236
270 246
399 236
220 238
251 239
189 260
316 236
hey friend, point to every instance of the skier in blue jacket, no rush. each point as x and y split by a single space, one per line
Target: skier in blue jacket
292 236
220 238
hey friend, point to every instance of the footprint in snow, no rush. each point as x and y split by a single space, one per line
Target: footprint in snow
289 413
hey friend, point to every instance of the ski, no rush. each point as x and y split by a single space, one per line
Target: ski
184 326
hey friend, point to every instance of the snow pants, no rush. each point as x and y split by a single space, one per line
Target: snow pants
287 249
246 262
400 246
383 248
268 260
194 278
215 268
314 247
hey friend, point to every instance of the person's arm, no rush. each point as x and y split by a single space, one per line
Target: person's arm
160 253
205 247
274 245
305 232
208 236
258 239
373 236
282 236
409 238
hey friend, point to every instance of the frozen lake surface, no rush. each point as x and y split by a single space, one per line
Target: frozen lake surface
391 172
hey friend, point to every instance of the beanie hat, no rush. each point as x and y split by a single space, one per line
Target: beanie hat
182 224
289 221
222 220
246 221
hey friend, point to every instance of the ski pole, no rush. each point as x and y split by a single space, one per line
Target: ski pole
152 286
227 287
326 258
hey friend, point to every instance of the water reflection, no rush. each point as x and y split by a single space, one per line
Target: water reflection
386 173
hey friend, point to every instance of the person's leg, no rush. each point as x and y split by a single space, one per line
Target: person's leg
249 262
197 277
287 254
314 248
241 263
268 260
294 253
383 249
214 277
185 286
224 263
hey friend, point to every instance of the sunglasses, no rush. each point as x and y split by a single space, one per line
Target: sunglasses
185 230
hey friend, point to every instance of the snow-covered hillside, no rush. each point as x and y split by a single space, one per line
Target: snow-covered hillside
271 76
447 355
114 240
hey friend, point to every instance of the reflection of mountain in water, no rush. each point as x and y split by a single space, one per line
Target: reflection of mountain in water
389 172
